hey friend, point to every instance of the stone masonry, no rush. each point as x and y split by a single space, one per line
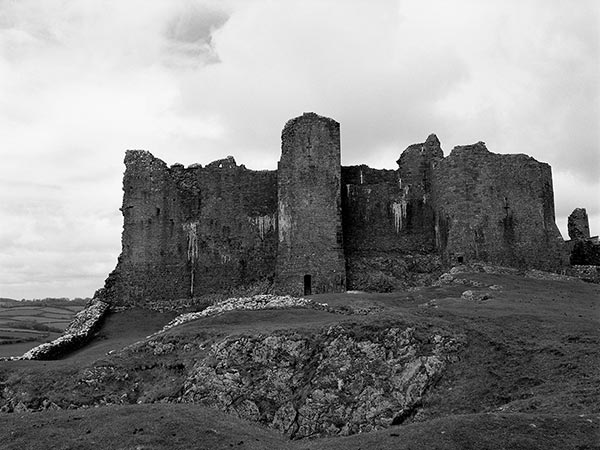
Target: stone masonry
310 257
578 225
584 250
313 226
496 208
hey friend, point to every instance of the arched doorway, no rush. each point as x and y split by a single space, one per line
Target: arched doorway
307 285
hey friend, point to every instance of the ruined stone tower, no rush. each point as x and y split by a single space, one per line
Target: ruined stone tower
310 256
578 225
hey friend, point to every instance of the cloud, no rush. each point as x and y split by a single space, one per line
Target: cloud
82 81
194 81
189 35
280 59
573 191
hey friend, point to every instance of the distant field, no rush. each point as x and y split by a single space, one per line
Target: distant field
23 325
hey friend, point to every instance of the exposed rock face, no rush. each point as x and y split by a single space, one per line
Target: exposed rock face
578 225
345 378
335 382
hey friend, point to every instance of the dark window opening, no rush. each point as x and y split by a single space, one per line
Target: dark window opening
460 259
157 212
307 285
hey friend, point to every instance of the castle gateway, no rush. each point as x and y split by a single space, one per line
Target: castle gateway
314 226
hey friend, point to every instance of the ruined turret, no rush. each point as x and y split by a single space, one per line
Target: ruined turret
585 250
578 225
310 256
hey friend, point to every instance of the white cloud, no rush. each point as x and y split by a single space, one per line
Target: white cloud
193 81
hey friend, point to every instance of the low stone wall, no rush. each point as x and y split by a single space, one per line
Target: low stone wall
79 331
591 274
266 301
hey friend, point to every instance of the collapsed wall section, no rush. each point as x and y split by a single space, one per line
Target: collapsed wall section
584 250
578 225
310 256
373 214
191 231
389 220
496 208
415 174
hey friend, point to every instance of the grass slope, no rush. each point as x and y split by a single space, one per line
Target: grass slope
172 426
160 426
477 432
528 378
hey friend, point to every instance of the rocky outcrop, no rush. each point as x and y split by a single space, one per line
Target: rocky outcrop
79 331
341 380
389 272
346 378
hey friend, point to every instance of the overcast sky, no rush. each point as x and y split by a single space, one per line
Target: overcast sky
192 81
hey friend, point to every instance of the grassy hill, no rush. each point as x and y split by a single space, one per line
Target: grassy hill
526 377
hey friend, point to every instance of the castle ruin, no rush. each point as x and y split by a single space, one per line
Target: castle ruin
314 226
583 248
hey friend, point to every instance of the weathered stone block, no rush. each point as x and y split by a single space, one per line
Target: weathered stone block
578 224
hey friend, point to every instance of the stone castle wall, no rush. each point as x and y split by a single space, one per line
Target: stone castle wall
497 208
314 226
193 231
